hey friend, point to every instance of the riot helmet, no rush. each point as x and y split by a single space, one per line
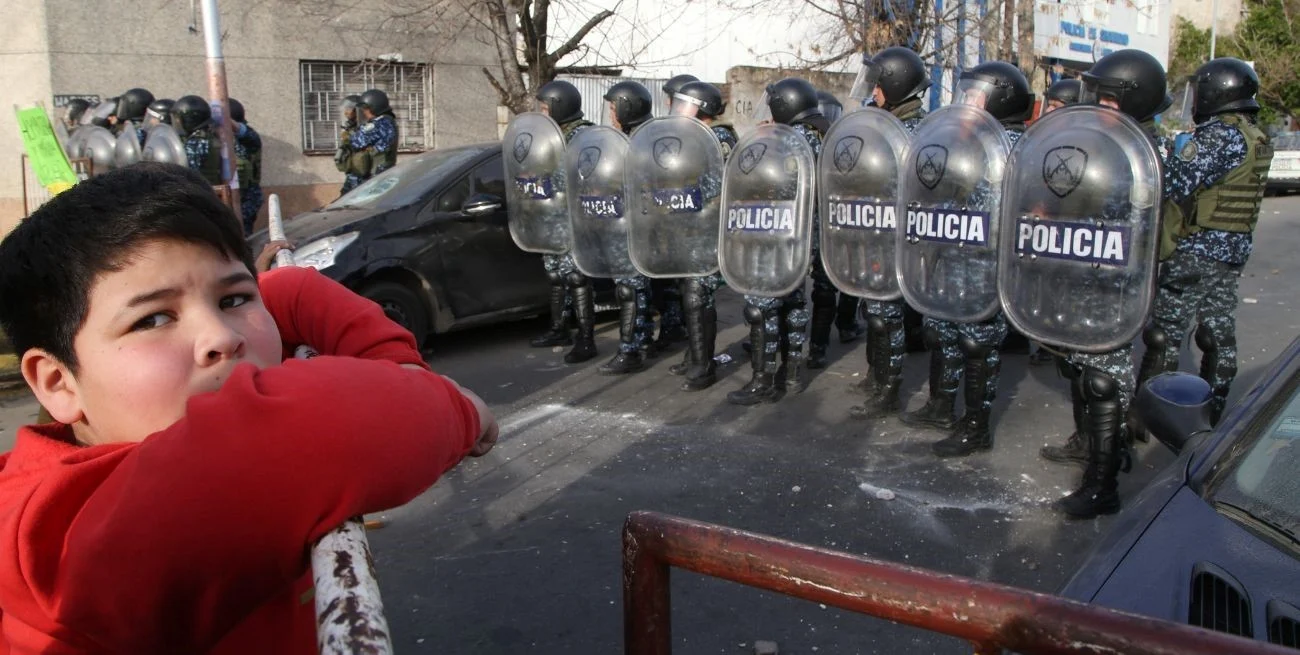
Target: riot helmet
829 106
132 104
99 114
74 111
790 100
348 109
1224 85
998 88
630 104
675 84
189 113
898 72
159 111
236 110
376 101
561 101
1062 94
697 99
1130 79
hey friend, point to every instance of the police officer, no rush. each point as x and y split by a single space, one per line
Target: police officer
628 105
900 79
248 163
1002 90
667 297
192 119
131 108
702 101
378 134
353 163
779 324
73 112
1102 384
158 113
1216 177
571 291
846 312
674 86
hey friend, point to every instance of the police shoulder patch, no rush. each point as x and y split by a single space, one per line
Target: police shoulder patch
1188 151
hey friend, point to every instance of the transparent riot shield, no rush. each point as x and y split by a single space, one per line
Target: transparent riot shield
598 202
857 192
536 199
98 145
765 242
948 214
126 150
164 145
674 182
1081 230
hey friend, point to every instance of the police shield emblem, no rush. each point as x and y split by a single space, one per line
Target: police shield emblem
1080 235
765 243
536 198
947 212
857 188
674 185
597 202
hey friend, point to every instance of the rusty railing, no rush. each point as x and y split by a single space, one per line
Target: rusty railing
990 616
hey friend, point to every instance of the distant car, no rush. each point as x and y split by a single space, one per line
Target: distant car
429 242
1214 540
1284 174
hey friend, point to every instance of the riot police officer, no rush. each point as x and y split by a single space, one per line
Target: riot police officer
248 164
158 113
378 134
829 105
130 111
1062 94
846 312
674 85
666 296
353 163
571 291
896 78
192 119
1216 179
628 105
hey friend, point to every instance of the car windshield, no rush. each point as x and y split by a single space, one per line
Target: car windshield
407 182
1260 473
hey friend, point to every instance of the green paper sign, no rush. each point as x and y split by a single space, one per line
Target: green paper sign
44 153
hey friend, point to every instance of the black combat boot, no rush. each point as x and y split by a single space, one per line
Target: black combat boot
819 337
938 410
558 334
867 385
972 433
846 318
888 377
704 334
1099 491
692 326
584 310
1074 451
628 360
667 297
762 386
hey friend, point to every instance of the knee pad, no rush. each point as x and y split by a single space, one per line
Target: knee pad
1097 385
933 340
1155 337
972 348
753 315
1066 369
624 293
1207 342
576 279
556 278
876 323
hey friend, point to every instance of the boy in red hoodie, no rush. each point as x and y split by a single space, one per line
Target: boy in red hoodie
171 506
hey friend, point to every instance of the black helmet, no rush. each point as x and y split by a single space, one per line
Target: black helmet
563 101
1133 78
376 101
189 113
676 82
1066 92
162 110
1006 91
132 104
236 110
829 105
632 103
792 99
1223 85
900 74
706 97
73 112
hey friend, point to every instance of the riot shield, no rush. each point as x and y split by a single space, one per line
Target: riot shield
96 144
857 189
536 199
1081 230
597 202
127 149
164 145
948 200
674 184
765 233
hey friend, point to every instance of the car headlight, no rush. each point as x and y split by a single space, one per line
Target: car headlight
321 253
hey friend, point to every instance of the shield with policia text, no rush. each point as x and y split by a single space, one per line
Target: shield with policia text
536 200
598 203
948 196
674 185
857 188
765 237
1080 219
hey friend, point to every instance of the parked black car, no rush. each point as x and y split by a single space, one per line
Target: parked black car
1214 540
427 240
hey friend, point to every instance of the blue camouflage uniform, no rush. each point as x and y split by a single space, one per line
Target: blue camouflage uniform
711 188
248 153
203 154
380 135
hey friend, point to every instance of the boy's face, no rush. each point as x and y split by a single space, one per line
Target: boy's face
173 323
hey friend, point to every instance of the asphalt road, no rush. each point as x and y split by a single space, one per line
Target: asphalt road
520 551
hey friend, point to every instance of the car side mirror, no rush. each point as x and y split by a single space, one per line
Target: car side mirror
1175 408
480 204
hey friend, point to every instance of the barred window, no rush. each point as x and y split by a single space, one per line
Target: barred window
326 83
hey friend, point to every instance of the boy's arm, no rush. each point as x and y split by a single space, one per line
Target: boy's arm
200 524
312 309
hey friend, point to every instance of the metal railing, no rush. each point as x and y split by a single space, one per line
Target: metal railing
992 617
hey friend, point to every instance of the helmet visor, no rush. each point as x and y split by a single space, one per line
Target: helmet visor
151 119
974 92
101 111
1105 91
863 92
762 112
1184 108
609 115
684 105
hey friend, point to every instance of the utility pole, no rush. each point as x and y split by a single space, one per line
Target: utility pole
219 97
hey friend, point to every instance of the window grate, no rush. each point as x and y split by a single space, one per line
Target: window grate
325 84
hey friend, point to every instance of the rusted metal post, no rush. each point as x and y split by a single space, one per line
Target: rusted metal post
217 93
990 616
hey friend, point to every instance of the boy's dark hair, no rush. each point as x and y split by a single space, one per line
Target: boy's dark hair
50 262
